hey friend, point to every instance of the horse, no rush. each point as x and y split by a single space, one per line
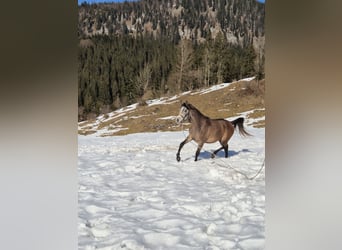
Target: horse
206 130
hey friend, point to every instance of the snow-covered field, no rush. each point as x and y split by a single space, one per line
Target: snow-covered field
133 194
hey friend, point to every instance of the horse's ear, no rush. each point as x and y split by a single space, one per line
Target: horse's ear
190 106
186 104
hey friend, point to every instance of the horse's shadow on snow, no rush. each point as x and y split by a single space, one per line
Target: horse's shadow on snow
231 153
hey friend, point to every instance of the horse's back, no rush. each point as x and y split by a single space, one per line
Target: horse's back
224 123
218 130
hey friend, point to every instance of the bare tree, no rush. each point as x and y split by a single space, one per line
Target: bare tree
206 67
184 62
143 79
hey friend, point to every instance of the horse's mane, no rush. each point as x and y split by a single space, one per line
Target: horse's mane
190 106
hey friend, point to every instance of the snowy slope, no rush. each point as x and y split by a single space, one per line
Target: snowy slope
123 119
133 194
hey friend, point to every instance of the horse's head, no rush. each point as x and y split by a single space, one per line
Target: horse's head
184 113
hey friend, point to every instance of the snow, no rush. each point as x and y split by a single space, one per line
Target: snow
166 100
133 194
245 114
219 86
173 99
172 117
122 112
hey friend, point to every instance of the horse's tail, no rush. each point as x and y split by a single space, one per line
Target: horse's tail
239 121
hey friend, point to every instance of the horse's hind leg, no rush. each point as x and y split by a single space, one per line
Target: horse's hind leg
224 146
198 150
215 152
226 150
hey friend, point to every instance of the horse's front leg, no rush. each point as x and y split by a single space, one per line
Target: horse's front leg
181 146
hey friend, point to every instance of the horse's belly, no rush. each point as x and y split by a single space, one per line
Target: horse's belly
206 140
212 140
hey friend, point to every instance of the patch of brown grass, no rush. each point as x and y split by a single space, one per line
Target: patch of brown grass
86 132
259 124
257 113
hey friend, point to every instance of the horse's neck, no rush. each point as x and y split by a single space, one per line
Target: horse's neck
196 117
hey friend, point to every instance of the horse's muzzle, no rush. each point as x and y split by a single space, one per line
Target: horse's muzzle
179 119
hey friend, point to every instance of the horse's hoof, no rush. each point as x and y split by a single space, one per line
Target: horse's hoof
178 158
212 156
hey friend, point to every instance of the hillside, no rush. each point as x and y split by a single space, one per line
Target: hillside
241 21
244 97
136 51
